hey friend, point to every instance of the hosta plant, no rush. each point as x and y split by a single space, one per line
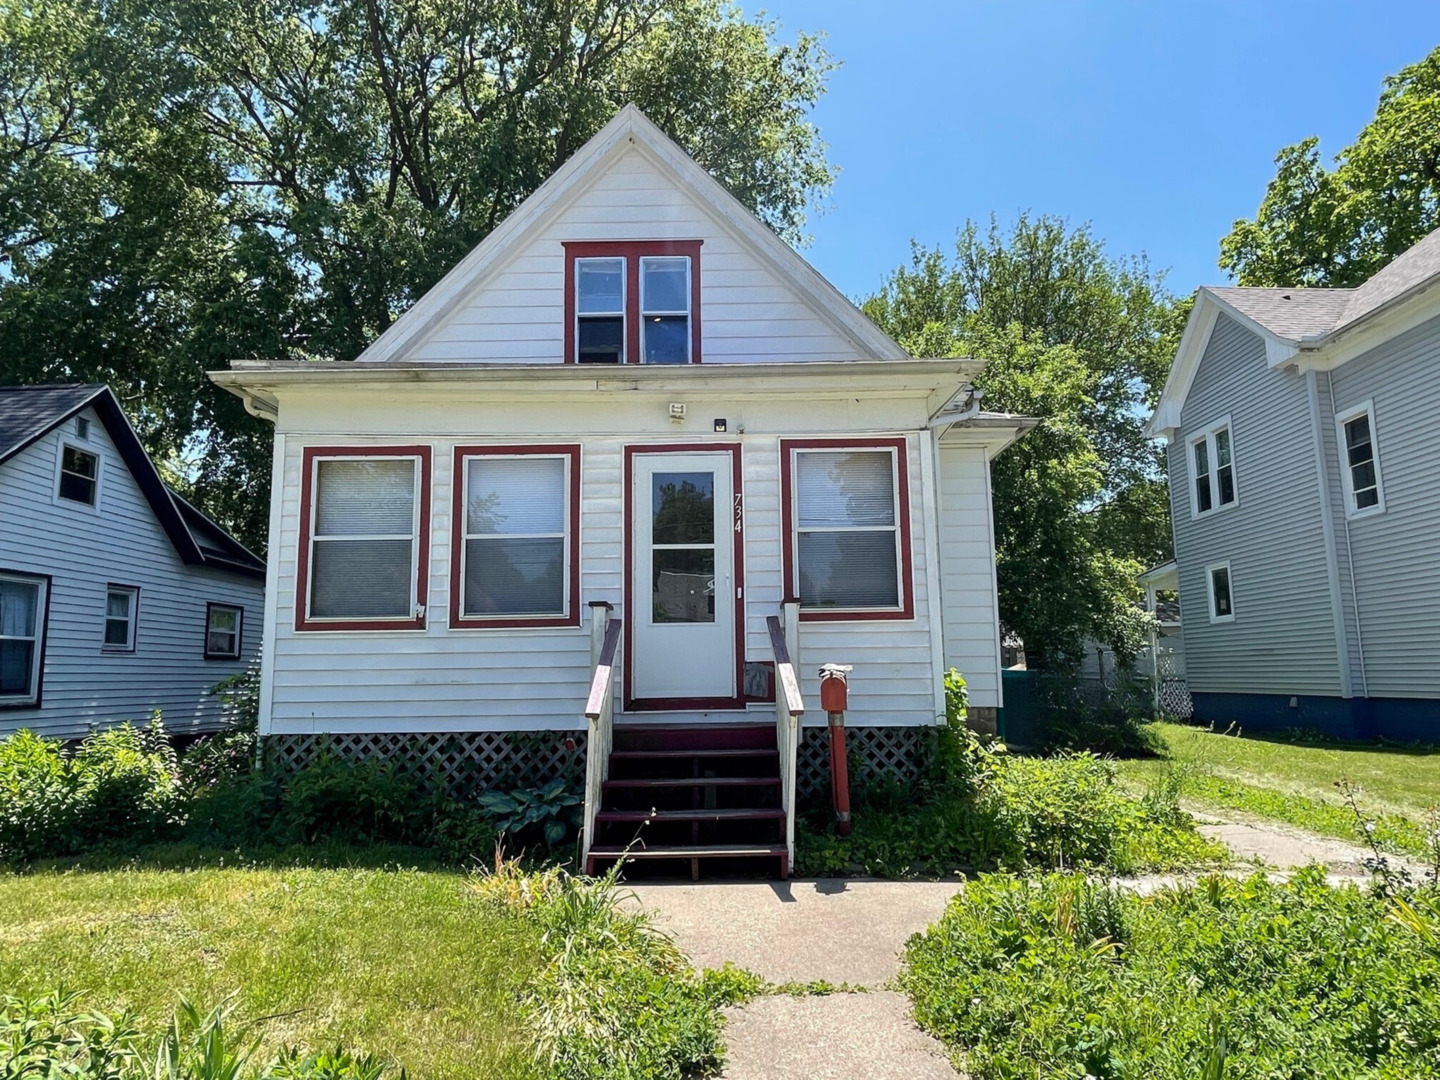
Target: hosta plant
551 808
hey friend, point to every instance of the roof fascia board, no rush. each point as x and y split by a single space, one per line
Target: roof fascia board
1358 338
628 129
491 254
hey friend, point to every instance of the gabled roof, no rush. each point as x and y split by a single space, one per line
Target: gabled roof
1308 321
29 413
629 129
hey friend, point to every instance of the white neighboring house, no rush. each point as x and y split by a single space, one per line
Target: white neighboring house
117 597
631 401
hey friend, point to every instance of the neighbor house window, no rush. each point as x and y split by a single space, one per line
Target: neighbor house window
632 302
515 536
363 554
79 475
1222 607
1361 465
224 626
847 528
1213 469
22 636
122 614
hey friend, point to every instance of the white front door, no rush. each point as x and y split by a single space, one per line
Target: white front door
683 581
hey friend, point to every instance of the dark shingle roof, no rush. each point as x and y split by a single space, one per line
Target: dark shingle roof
29 412
1307 314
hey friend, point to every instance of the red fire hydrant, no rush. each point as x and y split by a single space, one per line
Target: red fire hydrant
834 699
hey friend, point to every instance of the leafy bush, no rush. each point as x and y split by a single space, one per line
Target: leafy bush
615 997
51 1037
121 782
1247 979
348 800
550 810
994 809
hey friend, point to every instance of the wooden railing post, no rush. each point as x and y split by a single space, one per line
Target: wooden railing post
600 611
599 718
789 708
790 612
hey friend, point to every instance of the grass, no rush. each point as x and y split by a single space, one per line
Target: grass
1294 781
407 964
1060 977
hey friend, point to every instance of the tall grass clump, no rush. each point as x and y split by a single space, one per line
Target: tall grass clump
54 1036
1064 977
614 996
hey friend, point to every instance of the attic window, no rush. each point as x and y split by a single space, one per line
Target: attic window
82 427
632 302
79 475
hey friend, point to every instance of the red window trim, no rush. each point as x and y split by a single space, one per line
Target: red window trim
460 621
791 560
116 650
632 251
739 701
422 561
239 631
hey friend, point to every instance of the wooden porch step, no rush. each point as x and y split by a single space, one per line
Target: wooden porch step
689 851
743 814
696 781
641 755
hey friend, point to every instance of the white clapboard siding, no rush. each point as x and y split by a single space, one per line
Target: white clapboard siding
967 565
749 313
1396 554
450 680
121 543
1282 640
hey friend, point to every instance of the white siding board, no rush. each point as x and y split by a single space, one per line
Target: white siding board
442 679
748 313
83 552
967 567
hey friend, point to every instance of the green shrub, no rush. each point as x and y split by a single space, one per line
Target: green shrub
547 812
1248 979
615 997
38 801
332 798
1011 812
52 1037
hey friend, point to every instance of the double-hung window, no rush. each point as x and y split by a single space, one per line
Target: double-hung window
600 311
224 626
79 479
363 555
122 616
22 634
632 302
1212 468
515 536
1360 468
847 528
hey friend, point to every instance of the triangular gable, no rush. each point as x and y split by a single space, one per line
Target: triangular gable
521 257
180 520
1165 421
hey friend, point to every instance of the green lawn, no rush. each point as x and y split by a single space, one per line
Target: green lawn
405 964
1295 782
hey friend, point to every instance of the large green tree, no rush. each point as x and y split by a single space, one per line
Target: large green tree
1338 226
1083 341
183 182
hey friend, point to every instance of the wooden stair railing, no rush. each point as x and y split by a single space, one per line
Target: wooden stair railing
789 708
599 717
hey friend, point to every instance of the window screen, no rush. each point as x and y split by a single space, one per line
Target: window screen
121 603
516 511
847 539
222 632
600 311
1360 457
665 309
364 542
79 475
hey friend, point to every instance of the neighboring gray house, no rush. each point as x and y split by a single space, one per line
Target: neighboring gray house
117 597
1304 460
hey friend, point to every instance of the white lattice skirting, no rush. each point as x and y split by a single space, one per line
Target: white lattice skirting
469 761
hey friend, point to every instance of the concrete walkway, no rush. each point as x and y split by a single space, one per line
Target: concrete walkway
842 932
851 932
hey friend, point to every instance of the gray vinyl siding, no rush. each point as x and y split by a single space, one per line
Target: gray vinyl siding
1282 640
1335 487
1396 554
83 552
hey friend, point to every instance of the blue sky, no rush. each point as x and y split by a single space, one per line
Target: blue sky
1158 123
